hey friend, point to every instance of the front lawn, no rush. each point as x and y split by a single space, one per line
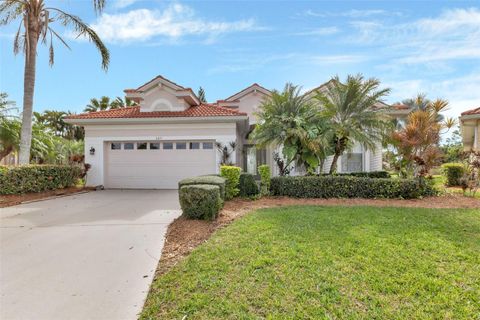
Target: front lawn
330 263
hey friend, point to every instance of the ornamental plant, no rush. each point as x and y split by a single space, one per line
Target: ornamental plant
264 171
232 174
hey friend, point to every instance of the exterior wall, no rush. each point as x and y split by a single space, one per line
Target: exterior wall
470 127
96 137
249 104
162 99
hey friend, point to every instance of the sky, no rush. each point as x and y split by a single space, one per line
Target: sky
430 47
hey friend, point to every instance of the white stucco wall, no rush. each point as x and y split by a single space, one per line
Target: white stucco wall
96 136
162 98
249 104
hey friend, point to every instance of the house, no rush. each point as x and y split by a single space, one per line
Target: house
171 135
470 128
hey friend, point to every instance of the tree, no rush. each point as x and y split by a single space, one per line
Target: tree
417 144
353 113
101 104
9 126
290 119
201 95
36 25
121 103
452 149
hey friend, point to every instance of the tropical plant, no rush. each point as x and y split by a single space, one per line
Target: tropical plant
6 106
119 102
9 135
37 21
201 95
417 144
290 119
354 113
471 180
226 150
452 149
104 103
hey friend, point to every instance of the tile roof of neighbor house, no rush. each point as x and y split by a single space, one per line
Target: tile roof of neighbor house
400 106
246 89
203 110
471 112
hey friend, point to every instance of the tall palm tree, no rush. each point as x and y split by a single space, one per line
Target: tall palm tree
119 102
353 113
291 120
101 104
36 21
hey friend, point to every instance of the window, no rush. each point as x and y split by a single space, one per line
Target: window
128 146
154 146
141 146
352 162
194 145
116 146
168 145
208 145
181 145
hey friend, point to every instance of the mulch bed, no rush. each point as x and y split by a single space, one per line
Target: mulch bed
184 235
14 199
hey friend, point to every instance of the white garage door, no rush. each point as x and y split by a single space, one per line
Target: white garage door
156 165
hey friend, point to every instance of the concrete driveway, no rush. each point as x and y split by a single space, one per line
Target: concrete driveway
86 256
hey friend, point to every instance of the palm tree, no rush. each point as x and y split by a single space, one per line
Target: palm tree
36 25
120 103
6 106
421 102
101 104
9 136
353 113
291 120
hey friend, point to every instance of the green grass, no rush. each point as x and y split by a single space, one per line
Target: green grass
439 184
330 263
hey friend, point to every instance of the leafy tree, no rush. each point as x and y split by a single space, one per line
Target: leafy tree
417 144
9 126
290 119
452 149
353 113
36 25
201 95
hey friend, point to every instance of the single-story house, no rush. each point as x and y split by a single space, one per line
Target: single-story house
171 135
470 128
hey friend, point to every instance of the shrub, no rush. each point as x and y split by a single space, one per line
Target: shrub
453 173
232 174
248 186
350 187
210 179
371 174
200 201
37 178
264 171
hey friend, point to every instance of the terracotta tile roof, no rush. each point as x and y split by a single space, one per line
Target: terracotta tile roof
400 106
470 112
204 110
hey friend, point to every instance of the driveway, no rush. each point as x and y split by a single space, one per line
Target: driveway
86 256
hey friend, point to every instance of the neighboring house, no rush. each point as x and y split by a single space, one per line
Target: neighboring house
171 135
470 128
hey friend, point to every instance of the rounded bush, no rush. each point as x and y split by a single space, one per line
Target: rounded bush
248 186
453 173
209 179
200 201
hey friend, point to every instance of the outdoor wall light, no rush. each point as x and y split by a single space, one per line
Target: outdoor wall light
92 151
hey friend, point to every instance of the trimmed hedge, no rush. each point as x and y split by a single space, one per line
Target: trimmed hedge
453 173
371 174
37 178
350 187
210 179
232 174
265 174
200 201
248 187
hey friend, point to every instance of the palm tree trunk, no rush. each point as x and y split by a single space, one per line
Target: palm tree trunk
333 166
28 91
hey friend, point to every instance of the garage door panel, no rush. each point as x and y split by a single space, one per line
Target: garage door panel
156 169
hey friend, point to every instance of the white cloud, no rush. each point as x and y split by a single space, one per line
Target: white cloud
175 21
455 34
325 31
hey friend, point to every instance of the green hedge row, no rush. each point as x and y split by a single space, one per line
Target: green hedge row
350 187
371 174
453 173
200 201
37 178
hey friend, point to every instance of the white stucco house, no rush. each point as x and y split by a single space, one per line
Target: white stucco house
470 128
171 135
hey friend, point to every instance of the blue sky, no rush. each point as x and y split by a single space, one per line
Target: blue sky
411 46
